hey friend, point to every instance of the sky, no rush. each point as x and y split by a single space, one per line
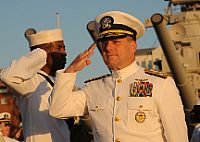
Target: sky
18 15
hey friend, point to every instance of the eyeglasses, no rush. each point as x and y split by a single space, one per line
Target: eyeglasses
6 123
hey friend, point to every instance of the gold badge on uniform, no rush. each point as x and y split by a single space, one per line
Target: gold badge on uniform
141 88
140 116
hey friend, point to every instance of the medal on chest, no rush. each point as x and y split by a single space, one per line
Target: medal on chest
141 88
140 117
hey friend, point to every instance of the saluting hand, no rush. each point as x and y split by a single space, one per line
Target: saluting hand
81 61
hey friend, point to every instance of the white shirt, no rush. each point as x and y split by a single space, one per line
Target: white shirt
33 99
119 111
7 139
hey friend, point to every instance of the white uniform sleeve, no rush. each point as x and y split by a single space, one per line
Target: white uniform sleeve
19 73
65 102
172 113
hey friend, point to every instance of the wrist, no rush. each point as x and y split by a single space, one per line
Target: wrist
69 70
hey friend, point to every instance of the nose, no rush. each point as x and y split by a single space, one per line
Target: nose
109 45
63 51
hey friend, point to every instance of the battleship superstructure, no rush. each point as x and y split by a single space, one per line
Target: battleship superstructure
184 30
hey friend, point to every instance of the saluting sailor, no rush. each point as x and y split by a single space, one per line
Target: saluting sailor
130 104
32 78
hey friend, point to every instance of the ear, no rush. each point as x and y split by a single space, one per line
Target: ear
134 45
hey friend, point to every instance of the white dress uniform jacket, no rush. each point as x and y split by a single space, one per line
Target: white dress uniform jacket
33 99
119 108
7 139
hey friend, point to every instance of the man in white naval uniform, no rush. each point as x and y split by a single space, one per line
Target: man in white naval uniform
131 104
5 127
31 77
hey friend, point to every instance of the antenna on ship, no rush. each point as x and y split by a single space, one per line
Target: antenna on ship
58 20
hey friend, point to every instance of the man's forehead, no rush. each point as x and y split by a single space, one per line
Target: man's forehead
61 42
114 38
58 42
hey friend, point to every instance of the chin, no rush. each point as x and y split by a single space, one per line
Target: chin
111 66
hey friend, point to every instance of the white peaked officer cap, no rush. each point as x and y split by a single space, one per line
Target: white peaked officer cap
117 23
5 116
45 36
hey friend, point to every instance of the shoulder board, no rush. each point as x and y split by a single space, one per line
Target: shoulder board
157 73
97 78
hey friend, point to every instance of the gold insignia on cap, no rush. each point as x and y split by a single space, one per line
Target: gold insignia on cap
140 117
106 22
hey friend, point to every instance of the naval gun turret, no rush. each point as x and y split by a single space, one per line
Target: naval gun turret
178 72
184 30
179 36
177 69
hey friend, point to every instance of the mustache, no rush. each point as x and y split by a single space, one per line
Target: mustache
58 62
59 57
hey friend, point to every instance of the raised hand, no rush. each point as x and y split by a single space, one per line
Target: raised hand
81 61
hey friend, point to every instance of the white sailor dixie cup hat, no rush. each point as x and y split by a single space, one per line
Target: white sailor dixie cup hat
36 38
116 24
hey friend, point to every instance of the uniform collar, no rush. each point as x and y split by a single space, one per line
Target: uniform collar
125 72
